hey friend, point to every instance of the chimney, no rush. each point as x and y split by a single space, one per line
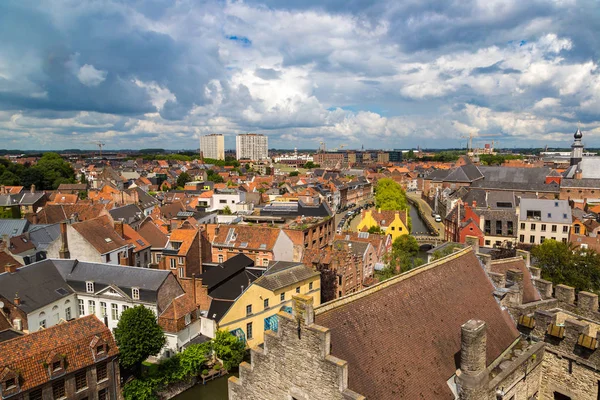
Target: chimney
474 203
17 300
35 219
194 287
472 377
64 248
2 189
32 188
119 228
10 268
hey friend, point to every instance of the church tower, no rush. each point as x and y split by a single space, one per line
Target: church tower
577 148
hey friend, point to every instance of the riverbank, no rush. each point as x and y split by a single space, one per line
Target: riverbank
424 211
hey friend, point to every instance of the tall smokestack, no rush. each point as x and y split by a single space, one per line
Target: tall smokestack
64 248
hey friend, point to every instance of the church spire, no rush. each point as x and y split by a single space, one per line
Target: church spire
577 148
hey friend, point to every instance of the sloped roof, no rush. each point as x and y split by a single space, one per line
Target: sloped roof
246 236
186 237
414 321
28 354
280 276
153 234
100 233
52 214
13 227
530 293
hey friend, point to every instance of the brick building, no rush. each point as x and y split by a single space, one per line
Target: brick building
182 254
72 360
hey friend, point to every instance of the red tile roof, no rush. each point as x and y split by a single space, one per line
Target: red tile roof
134 238
401 336
27 354
186 237
253 236
100 233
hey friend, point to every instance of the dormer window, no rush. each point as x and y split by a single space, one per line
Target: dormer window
135 293
99 349
56 366
89 287
10 383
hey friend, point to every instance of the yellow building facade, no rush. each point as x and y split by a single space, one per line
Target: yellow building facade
393 223
256 309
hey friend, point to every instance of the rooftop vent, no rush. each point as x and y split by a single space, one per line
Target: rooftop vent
108 240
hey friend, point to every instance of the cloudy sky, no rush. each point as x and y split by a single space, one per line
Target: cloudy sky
378 74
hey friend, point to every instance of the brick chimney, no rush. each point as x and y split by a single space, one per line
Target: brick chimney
32 188
474 203
17 300
64 248
10 268
119 228
194 287
2 189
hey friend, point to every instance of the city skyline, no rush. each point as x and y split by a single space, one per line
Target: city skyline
388 74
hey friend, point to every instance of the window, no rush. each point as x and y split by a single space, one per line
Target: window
566 229
564 216
577 229
531 239
249 309
101 372
10 383
180 259
522 225
125 308
282 297
220 258
222 201
103 394
564 240
498 227
181 272
533 227
542 239
265 262
114 312
92 306
266 303
135 293
103 312
89 287
543 228
521 238
173 263
36 395
509 227
108 257
249 330
554 227
488 227
99 349
81 307
68 313
310 286
188 319
81 380
298 289
58 389
549 215
488 242
42 319
533 214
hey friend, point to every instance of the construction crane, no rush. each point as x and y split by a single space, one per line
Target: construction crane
341 146
100 146
321 147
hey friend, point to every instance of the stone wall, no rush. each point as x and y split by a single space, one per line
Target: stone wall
294 363
568 377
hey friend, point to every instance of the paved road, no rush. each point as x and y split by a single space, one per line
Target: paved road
427 210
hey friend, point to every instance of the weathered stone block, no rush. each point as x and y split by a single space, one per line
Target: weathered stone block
565 294
587 301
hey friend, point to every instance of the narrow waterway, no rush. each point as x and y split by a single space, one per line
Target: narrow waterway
213 390
418 225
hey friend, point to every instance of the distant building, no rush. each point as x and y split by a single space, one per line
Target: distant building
213 146
251 146
544 219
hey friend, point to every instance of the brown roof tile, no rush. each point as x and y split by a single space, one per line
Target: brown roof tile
52 214
153 234
27 354
100 233
254 236
401 336
186 236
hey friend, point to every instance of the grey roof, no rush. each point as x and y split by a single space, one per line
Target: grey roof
358 248
438 175
42 235
145 200
552 211
581 183
131 214
590 167
36 284
13 227
521 179
111 274
286 277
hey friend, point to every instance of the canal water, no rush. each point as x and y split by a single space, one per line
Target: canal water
213 390
418 225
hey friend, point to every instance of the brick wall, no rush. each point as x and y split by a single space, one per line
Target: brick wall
167 292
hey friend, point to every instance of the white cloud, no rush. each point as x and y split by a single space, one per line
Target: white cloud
90 76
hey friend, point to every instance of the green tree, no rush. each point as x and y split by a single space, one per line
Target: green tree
183 178
294 173
138 336
229 349
410 155
389 195
402 257
227 211
446 251
375 229
309 165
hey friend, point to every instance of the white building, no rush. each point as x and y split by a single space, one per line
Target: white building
213 146
541 219
251 146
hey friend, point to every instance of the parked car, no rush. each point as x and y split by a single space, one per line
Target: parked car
438 218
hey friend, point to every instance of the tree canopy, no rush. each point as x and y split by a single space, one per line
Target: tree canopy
402 257
183 178
50 171
229 349
561 263
138 336
389 195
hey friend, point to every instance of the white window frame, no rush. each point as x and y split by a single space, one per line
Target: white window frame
220 258
89 287
180 260
114 311
181 272
92 306
135 293
81 304
103 310
67 313
173 263
188 319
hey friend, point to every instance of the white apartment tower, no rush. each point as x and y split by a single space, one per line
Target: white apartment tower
213 146
251 146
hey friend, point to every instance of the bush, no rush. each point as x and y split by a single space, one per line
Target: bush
141 389
205 372
229 349
217 367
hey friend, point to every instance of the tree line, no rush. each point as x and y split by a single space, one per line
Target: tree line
48 173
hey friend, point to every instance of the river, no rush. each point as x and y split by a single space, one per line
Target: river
418 225
213 390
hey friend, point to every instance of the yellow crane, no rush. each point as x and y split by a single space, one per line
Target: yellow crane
100 145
